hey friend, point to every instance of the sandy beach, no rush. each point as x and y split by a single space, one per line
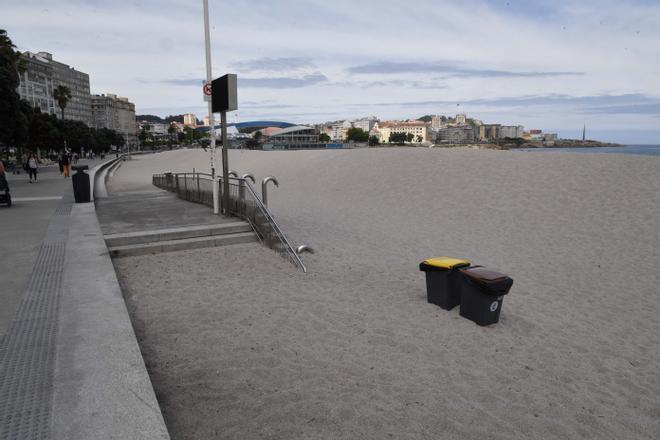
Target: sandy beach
242 345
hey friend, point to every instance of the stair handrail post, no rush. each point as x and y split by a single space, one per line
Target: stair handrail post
241 185
264 188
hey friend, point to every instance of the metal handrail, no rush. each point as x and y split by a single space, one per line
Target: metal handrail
288 246
239 206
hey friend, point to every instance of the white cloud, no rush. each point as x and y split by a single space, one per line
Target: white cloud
290 47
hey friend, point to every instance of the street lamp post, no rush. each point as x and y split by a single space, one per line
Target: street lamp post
209 78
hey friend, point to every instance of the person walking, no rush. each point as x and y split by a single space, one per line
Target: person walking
32 166
66 164
59 162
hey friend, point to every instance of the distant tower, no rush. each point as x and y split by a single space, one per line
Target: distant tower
584 133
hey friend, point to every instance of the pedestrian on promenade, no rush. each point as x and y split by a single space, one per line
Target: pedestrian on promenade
3 176
66 164
60 163
32 166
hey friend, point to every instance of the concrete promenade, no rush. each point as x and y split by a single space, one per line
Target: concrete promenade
70 366
23 229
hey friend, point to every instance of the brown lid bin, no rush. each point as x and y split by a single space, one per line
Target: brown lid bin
491 282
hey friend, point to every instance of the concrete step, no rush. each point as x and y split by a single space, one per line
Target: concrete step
180 233
182 244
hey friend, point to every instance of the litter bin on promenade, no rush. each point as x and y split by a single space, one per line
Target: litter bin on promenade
482 293
443 280
81 184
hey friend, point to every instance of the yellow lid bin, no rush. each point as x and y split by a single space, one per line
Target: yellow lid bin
443 263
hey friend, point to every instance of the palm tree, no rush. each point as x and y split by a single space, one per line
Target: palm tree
62 95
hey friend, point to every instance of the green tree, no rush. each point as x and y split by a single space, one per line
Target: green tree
171 131
398 138
62 95
373 140
410 137
357 135
419 138
144 134
324 138
189 134
13 119
44 131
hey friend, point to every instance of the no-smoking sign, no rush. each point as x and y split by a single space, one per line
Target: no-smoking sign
207 92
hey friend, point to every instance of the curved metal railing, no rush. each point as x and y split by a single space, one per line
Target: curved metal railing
244 202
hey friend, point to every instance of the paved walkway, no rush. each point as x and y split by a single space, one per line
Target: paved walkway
70 365
23 230
151 210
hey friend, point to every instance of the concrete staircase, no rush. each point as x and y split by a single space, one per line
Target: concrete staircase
179 238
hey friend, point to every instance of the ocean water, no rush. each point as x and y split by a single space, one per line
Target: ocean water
645 150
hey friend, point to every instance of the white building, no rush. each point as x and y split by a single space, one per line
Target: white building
365 124
338 131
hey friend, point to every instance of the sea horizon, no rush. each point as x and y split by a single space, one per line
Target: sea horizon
637 149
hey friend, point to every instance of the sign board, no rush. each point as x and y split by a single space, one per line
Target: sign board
207 92
224 93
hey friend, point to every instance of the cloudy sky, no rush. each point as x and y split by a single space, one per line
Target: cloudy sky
553 64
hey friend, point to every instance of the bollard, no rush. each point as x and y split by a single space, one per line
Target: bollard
80 182
264 188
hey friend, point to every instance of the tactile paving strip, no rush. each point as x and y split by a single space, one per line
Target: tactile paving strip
27 352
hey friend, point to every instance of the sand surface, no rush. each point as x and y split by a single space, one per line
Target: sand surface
241 345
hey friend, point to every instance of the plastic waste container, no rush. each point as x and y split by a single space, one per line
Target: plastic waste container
443 280
482 293
80 181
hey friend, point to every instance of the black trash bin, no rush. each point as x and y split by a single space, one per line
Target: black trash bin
81 184
443 280
482 293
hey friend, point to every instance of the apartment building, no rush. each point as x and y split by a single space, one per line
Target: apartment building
190 120
42 76
36 85
455 135
116 113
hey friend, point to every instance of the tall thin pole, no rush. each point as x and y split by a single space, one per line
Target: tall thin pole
225 165
209 78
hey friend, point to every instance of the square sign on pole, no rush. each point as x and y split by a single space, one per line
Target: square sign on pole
224 95
207 92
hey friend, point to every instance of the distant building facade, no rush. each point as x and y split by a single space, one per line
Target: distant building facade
365 124
512 131
292 138
455 135
41 78
438 122
116 113
419 130
338 131
36 85
491 131
536 134
190 120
